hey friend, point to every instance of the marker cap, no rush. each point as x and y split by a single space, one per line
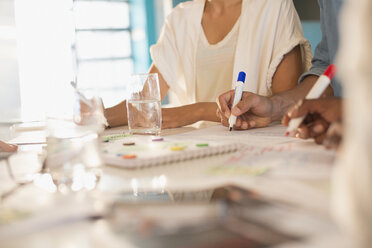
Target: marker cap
241 76
330 71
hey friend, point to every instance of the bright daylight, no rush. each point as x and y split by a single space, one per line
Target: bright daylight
185 123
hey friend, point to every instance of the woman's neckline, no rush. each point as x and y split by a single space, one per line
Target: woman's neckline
224 40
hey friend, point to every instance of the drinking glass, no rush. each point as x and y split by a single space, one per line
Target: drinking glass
73 155
144 104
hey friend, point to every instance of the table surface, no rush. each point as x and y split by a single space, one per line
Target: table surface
182 181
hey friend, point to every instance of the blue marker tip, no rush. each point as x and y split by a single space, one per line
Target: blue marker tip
241 76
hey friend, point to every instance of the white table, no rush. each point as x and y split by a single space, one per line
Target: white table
309 193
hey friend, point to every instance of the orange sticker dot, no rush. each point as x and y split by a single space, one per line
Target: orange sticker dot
129 156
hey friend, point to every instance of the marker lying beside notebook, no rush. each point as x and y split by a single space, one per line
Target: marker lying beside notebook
315 92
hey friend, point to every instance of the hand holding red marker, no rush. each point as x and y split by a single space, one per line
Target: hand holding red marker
315 92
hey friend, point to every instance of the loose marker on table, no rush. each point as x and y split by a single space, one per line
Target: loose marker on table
315 92
237 97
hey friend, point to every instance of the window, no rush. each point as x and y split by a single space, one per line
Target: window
100 42
103 49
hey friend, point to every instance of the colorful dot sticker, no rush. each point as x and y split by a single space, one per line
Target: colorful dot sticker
177 148
202 145
157 139
129 144
129 156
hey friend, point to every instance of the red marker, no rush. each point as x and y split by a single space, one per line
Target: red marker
315 92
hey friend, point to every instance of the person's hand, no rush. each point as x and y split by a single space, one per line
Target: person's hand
181 116
334 135
5 147
90 112
320 114
252 111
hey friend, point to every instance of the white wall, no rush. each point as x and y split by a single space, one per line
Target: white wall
45 33
9 81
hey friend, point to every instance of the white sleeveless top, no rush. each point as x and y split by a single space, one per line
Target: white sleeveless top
269 29
215 65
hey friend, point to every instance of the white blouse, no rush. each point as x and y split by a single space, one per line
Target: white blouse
215 65
268 30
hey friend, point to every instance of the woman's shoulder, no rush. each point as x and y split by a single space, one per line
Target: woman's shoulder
269 7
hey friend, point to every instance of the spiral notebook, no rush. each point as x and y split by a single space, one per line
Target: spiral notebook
141 151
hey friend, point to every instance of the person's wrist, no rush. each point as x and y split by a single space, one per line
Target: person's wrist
197 112
275 112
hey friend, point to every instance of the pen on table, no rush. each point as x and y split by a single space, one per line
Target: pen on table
81 96
30 143
237 97
315 92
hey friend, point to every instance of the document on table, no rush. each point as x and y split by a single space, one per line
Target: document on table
269 163
16 222
274 134
263 151
30 138
268 149
267 155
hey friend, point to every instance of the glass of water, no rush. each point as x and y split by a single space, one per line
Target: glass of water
73 156
144 105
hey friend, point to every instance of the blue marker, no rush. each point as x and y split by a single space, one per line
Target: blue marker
237 97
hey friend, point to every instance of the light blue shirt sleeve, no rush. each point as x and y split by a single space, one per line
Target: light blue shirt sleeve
326 50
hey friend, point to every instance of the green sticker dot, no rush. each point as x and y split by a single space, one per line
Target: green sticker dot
202 145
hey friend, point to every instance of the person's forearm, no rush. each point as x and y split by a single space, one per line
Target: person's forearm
282 102
117 115
208 111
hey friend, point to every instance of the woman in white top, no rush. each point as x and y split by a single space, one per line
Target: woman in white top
204 45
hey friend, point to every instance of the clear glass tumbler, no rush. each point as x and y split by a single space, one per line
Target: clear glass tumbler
144 105
73 152
73 156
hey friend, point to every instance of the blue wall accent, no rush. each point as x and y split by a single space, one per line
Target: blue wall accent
138 22
143 22
312 32
142 19
176 2
151 25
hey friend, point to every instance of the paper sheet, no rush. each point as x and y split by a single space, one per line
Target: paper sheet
268 149
274 134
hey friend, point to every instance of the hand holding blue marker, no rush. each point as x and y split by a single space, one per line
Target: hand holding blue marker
237 97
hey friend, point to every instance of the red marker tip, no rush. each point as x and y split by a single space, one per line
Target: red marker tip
287 133
330 71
